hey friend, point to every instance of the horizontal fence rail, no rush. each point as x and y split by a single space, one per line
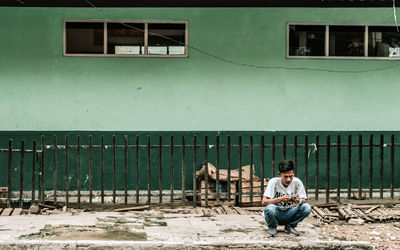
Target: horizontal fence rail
147 169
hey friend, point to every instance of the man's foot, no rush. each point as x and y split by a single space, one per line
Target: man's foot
272 231
291 230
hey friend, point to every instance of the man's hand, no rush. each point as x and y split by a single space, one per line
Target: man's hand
296 199
285 198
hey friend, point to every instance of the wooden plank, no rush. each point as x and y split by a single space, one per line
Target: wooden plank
206 212
217 203
371 209
240 210
225 208
7 212
137 208
17 211
47 206
255 184
319 211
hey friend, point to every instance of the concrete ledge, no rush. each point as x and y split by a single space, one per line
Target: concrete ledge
46 244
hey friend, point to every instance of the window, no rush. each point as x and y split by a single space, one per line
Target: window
343 41
126 38
306 40
383 42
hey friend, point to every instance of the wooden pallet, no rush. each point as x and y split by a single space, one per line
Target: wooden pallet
212 196
257 193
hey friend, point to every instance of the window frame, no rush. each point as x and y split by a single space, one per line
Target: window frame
327 56
146 36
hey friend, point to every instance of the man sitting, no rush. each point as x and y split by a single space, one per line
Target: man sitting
279 196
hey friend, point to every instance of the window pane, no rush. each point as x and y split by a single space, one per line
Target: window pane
125 38
306 40
166 39
346 40
383 42
84 38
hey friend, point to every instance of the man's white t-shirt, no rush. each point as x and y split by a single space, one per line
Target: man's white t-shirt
276 189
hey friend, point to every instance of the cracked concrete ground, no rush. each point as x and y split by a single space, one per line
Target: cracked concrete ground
152 229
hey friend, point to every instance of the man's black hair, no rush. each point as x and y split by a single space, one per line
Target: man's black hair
285 166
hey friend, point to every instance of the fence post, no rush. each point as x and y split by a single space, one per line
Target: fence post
262 165
67 171
160 169
317 168
194 170
126 168
148 170
240 170
371 145
392 167
295 154
10 149
228 152
360 166
338 167
251 169
114 168
90 169
349 145
78 170
137 169
381 166
33 171
172 169
183 169
306 152
206 168
42 176
55 167
21 173
217 167
328 157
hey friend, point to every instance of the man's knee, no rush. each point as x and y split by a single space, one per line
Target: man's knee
306 208
270 209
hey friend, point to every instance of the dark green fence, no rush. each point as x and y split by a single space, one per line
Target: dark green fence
157 167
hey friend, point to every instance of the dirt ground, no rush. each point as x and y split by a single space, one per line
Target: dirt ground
384 235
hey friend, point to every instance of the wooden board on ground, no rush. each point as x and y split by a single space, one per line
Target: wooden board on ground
7 212
17 211
126 209
240 210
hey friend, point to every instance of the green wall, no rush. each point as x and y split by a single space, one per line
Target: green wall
40 90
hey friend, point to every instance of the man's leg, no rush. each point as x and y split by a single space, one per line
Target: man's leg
300 213
270 215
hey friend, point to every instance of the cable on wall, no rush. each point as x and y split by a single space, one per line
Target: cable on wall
395 16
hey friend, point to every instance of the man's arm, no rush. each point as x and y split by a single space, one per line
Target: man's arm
266 201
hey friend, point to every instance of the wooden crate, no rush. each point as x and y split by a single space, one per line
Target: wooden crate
223 196
257 196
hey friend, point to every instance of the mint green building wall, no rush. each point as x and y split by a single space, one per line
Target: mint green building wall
42 90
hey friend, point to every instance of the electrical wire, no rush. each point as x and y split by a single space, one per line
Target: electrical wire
395 16
246 64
